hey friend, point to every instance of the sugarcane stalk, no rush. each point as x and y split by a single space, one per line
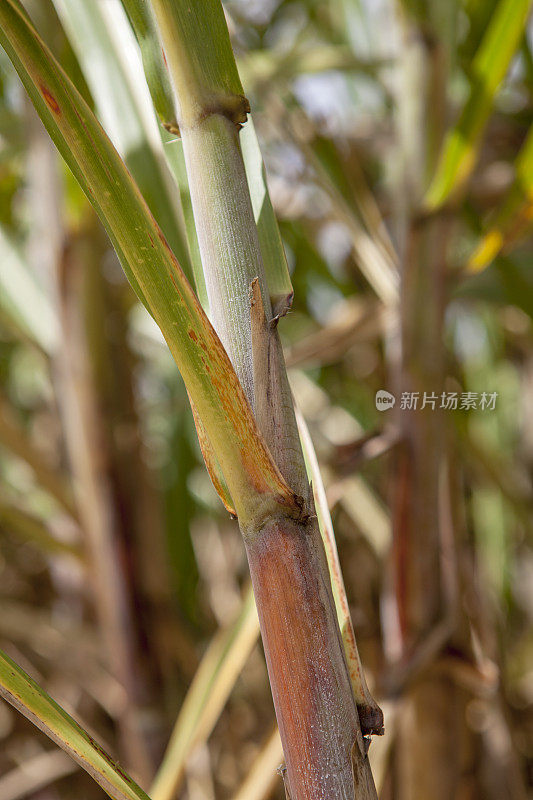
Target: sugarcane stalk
281 293
319 726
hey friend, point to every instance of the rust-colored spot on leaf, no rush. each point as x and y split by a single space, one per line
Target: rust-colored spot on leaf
192 335
50 100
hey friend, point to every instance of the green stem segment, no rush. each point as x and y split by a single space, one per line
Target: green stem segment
227 235
210 110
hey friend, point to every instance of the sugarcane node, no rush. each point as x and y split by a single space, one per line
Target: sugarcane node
234 107
296 504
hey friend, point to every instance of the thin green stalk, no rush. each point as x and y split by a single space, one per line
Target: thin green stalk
176 160
210 109
143 24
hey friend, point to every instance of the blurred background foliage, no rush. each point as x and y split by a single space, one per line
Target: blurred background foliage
123 583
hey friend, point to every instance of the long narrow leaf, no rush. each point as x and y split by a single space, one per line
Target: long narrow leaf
176 161
27 697
154 66
158 82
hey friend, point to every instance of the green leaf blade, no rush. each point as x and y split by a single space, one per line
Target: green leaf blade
22 692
